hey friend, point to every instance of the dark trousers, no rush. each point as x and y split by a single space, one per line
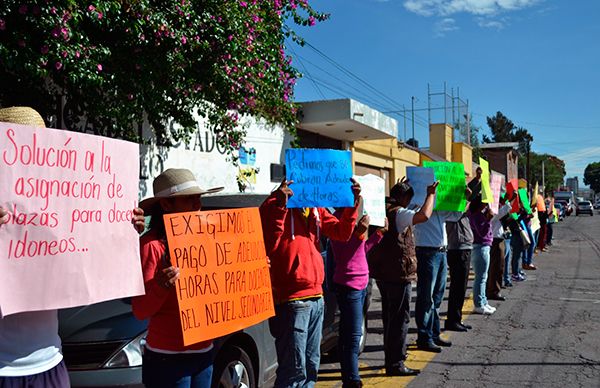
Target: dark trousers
57 377
542 237
459 262
395 313
496 269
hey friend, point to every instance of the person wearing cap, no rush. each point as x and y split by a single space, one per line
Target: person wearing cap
396 272
432 242
167 362
297 273
30 347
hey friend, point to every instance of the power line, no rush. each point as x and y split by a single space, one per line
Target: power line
306 71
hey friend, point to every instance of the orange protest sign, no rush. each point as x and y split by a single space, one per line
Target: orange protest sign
224 284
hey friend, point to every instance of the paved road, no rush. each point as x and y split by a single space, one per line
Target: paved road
547 334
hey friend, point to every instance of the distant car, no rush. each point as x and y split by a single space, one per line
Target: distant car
597 204
584 207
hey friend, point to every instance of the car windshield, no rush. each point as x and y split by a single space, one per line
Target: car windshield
584 203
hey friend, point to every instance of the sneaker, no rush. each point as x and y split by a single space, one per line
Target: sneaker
491 308
518 278
482 310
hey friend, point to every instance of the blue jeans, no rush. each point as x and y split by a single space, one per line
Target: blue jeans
297 327
516 246
183 370
431 283
507 267
528 253
350 302
481 263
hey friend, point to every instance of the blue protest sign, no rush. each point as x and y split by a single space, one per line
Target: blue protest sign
321 177
419 178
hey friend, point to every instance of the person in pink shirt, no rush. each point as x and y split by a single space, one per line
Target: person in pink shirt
350 278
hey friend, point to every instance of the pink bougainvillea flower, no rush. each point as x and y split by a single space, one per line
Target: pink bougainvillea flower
99 67
58 65
100 15
183 40
64 54
91 8
243 4
2 25
77 54
311 21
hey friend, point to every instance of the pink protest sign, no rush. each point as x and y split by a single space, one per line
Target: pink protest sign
69 239
496 185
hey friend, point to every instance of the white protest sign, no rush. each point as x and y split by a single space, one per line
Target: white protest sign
419 178
69 240
496 184
372 189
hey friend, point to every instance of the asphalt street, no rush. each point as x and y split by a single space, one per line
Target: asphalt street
546 334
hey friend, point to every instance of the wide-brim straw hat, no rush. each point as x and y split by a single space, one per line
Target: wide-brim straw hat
22 115
174 182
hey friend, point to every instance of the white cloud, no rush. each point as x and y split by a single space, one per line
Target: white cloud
445 25
496 24
577 160
474 7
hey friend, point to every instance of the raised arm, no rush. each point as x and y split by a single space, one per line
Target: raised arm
425 212
272 214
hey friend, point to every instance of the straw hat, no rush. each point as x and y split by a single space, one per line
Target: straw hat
22 115
174 182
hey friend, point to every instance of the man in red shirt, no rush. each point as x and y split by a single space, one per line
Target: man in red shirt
297 273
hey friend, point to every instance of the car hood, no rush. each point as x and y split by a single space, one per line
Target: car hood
106 321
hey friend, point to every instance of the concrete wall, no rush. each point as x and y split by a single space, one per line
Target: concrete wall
210 164
440 140
463 153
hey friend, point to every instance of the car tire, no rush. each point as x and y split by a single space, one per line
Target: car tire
233 369
363 335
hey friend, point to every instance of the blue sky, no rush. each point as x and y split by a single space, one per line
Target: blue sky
536 61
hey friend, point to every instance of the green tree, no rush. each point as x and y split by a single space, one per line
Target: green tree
591 176
501 127
554 171
120 62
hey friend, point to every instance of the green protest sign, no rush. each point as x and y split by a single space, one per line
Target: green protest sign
525 200
451 190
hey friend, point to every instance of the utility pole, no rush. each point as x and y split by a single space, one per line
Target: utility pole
543 177
412 100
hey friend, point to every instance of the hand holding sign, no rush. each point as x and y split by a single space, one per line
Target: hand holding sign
3 216
283 192
432 188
